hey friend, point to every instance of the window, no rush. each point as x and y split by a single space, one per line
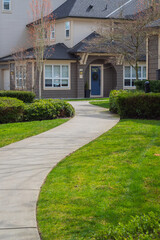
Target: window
130 75
57 76
7 5
21 76
67 29
53 31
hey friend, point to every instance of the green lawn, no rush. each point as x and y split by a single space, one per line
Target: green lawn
101 103
13 132
107 181
86 99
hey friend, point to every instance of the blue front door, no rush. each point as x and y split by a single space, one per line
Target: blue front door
95 80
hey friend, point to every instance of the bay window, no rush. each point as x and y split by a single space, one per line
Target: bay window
130 75
57 76
20 76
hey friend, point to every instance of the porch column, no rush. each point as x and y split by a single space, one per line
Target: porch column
119 70
80 81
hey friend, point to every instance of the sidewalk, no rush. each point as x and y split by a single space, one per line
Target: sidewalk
24 166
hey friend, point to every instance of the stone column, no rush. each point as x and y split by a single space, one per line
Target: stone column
80 81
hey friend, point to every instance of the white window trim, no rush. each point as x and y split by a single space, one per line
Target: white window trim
7 10
141 78
58 88
102 79
20 87
53 31
69 37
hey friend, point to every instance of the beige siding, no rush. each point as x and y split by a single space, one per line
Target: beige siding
13 33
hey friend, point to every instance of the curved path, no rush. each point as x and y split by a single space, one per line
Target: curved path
24 166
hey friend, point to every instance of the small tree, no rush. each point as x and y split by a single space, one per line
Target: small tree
127 37
39 33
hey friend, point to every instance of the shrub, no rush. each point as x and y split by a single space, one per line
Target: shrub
47 109
154 85
11 110
113 99
139 105
146 227
26 97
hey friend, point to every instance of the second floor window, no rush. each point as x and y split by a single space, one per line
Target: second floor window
67 29
20 76
6 5
53 32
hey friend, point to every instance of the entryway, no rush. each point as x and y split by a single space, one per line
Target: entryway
6 79
96 80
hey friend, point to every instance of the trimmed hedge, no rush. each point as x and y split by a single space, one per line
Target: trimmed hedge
146 227
139 105
24 96
113 99
154 85
47 109
11 110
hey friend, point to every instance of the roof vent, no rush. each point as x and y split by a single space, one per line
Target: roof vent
89 8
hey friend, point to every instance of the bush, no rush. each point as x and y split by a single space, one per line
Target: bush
47 109
113 99
26 97
154 85
146 227
11 110
139 105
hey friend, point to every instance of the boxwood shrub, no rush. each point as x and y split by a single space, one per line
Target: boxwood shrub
11 110
145 227
154 85
139 105
113 99
24 96
47 109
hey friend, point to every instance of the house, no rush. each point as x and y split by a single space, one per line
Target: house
70 66
153 50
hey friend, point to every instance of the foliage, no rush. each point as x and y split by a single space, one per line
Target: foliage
106 182
113 100
154 85
24 96
11 110
48 109
139 105
13 132
145 227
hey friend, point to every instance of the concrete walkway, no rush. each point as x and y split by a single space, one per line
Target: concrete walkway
24 166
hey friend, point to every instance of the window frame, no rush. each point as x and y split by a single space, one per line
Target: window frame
10 6
68 29
61 78
19 66
53 25
142 66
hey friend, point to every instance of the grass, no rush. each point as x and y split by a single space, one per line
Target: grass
107 181
86 99
101 103
13 132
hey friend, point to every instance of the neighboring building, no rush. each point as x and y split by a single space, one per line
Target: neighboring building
70 66
153 50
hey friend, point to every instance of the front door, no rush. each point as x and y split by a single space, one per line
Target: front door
95 80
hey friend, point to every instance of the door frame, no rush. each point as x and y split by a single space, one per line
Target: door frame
101 80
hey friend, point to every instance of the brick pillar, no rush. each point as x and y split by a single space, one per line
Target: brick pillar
12 76
119 70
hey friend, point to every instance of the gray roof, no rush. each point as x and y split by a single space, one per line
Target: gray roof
54 52
96 9
154 24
